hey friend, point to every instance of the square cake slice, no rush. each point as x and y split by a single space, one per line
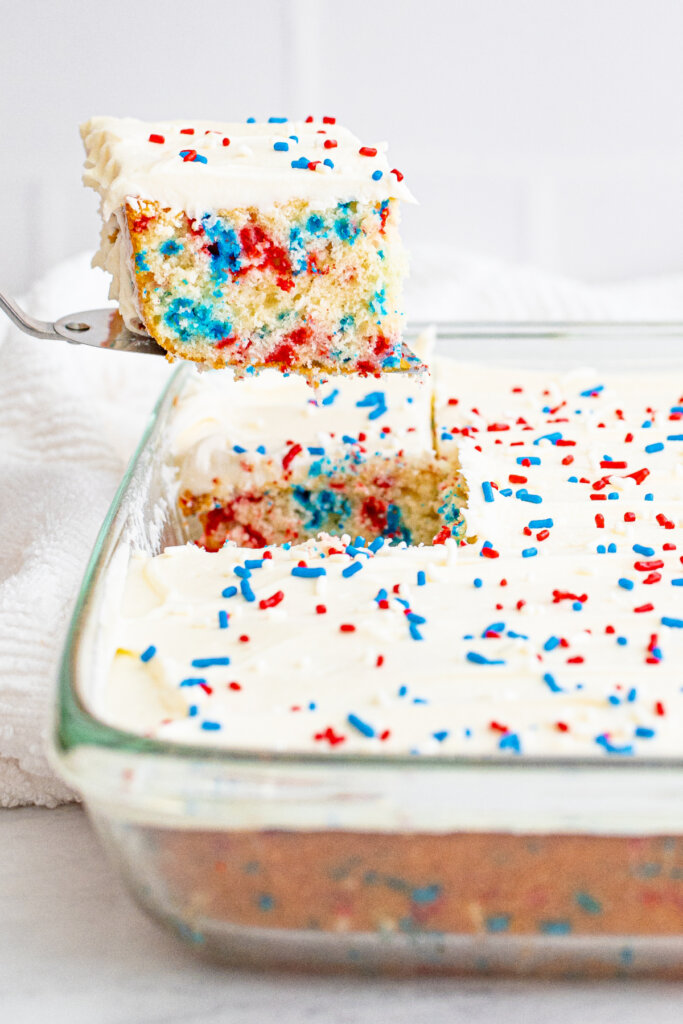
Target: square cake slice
252 245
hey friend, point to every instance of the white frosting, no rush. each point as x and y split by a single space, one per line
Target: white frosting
560 659
122 163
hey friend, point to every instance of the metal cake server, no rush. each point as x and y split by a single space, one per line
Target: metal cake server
100 328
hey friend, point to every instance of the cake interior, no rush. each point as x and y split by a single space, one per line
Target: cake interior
292 286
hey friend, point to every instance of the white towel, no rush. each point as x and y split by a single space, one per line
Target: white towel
71 417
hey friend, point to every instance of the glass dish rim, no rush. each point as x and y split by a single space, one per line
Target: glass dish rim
74 726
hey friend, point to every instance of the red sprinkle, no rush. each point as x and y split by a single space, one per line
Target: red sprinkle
157 138
561 726
490 553
380 660
190 155
244 639
644 608
226 141
497 727
329 734
320 609
367 151
187 131
347 627
291 454
329 120
629 517
272 601
234 686
600 521
330 143
399 176
659 708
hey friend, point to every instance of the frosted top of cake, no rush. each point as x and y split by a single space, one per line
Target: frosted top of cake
558 633
199 166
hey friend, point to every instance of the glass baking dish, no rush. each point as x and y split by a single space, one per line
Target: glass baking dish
400 864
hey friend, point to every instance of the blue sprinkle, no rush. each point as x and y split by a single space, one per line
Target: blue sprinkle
540 524
495 627
247 592
414 617
242 572
604 742
308 573
657 447
261 449
646 424
577 606
478 582
415 632
376 175
316 451
611 549
505 492
281 147
347 439
402 691
377 543
631 695
312 705
328 162
479 659
329 399
254 563
208 662
674 437
640 549
572 479
672 623
211 726
622 641
625 583
614 700
499 923
601 549
199 159
422 579
251 120
650 496
352 569
524 495
222 619
529 552
643 733
229 592
193 711
532 459
553 438
613 496
592 391
148 653
551 643
657 653
193 681
555 927
510 741
488 490
239 449
360 725
551 683
301 164
441 736
381 595
277 120
678 582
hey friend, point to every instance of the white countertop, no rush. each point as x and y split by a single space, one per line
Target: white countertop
75 947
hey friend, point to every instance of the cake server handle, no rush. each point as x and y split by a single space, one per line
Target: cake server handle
99 328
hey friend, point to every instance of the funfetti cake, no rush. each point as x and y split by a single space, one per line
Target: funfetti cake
251 245
267 461
557 631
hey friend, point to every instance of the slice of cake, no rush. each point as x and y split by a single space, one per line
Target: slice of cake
252 245
268 461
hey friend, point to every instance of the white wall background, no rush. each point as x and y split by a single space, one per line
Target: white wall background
543 131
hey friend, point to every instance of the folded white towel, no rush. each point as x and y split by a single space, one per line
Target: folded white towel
71 417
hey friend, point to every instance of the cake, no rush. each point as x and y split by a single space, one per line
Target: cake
549 624
267 461
251 245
